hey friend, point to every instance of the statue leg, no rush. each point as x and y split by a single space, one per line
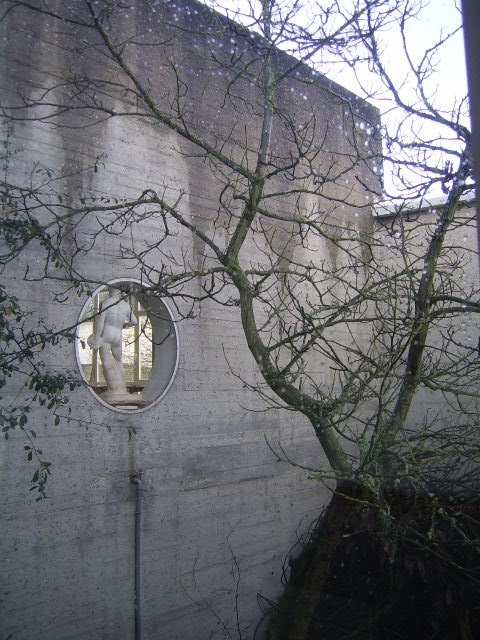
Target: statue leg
113 369
117 353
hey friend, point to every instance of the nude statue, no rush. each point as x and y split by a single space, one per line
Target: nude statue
108 340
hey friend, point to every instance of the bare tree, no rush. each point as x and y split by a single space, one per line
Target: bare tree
346 323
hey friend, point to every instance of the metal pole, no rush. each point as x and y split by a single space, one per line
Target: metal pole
138 602
471 32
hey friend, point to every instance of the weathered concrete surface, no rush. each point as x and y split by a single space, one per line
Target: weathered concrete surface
218 510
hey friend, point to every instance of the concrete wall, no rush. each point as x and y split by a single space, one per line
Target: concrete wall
219 513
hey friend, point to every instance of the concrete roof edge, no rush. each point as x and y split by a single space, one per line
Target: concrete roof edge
382 210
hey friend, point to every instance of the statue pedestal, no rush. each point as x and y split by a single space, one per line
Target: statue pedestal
115 399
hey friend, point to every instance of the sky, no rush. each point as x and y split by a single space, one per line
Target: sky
437 16
447 86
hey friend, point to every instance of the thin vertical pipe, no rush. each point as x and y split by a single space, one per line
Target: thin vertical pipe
138 532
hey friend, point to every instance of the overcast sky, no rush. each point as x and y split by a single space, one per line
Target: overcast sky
437 17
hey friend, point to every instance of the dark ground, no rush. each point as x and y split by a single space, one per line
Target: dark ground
415 574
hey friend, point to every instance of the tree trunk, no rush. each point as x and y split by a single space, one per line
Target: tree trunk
292 619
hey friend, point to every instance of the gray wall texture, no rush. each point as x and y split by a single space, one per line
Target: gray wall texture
219 512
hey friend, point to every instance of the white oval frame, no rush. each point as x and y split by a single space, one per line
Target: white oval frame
177 342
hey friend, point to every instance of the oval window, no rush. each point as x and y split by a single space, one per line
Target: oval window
127 346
